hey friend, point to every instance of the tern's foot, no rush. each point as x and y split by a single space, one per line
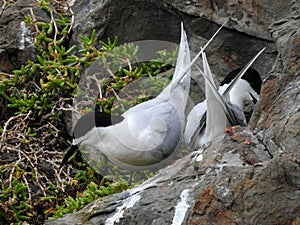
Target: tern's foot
197 155
230 130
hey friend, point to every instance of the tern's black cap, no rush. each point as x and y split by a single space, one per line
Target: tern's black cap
94 119
251 76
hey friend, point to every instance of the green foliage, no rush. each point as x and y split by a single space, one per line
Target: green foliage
118 94
93 190
38 85
15 202
32 138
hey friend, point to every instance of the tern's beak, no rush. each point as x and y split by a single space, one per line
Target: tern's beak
73 148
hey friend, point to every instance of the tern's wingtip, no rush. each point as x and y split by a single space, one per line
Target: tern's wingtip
181 25
183 33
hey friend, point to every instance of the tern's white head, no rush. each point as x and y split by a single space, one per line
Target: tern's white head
246 89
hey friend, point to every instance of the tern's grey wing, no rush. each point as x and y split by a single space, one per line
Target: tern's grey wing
195 125
183 58
216 103
154 127
217 108
155 116
238 114
179 87
172 136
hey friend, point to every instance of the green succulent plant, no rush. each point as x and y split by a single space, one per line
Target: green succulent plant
32 138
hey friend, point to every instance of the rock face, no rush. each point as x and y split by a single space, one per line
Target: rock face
278 121
249 16
250 176
160 20
16 38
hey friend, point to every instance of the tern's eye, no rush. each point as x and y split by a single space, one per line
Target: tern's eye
254 100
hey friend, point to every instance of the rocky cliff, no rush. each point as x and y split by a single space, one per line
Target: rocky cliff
250 176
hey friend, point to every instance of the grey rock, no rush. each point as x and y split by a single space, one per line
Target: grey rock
16 38
249 17
131 21
278 112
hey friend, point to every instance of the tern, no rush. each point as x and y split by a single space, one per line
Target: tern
147 133
222 107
